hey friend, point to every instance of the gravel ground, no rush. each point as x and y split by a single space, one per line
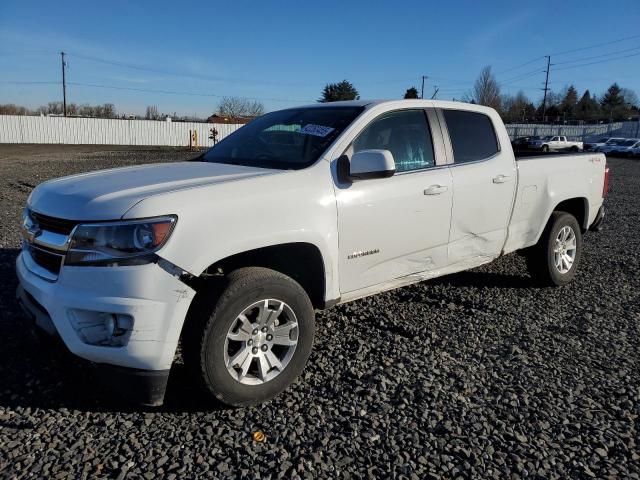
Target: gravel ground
478 374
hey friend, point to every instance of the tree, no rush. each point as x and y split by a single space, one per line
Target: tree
54 108
334 92
152 113
486 90
612 98
411 93
630 98
587 108
240 107
613 102
12 109
569 102
517 109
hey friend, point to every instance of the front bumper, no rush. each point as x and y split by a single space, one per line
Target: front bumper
156 300
146 387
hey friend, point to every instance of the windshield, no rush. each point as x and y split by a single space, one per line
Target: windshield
628 143
615 141
548 137
602 140
286 139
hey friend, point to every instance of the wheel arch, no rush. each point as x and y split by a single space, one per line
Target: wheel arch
576 206
301 261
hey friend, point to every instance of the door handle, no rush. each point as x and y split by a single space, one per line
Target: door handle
501 179
435 189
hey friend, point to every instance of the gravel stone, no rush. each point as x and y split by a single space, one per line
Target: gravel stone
477 375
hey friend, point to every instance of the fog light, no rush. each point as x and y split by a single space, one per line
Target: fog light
101 328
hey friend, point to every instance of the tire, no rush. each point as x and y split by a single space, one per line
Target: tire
574 149
545 148
217 335
541 258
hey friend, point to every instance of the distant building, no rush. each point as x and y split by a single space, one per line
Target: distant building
215 118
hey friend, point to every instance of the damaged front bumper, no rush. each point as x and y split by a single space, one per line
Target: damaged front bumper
127 320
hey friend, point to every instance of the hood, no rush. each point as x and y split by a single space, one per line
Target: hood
108 194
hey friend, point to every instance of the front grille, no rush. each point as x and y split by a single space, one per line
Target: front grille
52 224
46 259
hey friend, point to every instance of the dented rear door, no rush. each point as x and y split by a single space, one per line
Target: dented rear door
484 180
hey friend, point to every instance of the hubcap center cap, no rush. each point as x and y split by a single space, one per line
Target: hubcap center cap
259 338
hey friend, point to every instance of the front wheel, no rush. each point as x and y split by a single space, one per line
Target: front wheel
545 148
255 340
554 259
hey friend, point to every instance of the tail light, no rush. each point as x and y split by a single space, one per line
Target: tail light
605 184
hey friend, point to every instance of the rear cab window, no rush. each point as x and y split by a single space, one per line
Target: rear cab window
472 135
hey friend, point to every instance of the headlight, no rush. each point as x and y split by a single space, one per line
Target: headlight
130 242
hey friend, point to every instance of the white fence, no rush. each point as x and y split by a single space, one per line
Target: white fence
583 133
100 131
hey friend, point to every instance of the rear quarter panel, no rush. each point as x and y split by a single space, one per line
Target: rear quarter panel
544 182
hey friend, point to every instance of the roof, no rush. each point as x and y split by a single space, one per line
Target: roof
417 103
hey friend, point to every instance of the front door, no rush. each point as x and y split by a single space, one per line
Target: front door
396 226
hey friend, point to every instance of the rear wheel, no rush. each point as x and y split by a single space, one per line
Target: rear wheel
555 258
254 340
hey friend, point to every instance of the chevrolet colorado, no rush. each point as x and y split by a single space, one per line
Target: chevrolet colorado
230 253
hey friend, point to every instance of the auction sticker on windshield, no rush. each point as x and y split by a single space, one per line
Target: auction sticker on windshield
316 130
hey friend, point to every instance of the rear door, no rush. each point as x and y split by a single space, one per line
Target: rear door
393 227
484 183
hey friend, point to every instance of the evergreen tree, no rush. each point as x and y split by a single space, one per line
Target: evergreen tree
411 93
612 98
613 103
334 92
587 108
568 104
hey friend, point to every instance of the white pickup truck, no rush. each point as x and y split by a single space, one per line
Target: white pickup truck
557 144
301 209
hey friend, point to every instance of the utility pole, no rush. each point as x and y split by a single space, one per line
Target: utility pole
64 86
424 77
435 92
546 88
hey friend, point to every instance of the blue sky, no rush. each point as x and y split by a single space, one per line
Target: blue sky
284 52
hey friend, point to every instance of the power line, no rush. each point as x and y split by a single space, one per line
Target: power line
211 78
595 63
174 92
596 45
22 82
519 66
521 76
597 56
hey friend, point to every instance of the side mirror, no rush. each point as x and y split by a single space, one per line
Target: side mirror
367 164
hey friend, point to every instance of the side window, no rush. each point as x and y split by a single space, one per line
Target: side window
405 134
472 135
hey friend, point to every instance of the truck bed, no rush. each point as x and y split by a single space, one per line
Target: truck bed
529 154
